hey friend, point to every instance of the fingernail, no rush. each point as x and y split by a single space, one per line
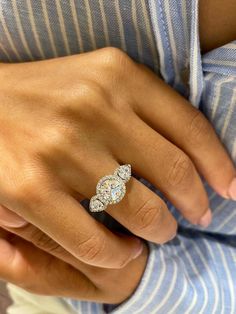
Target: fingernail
10 219
139 249
206 219
232 190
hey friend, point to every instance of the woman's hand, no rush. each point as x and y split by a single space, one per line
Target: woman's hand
67 122
26 266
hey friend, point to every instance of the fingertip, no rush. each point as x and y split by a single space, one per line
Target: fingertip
138 249
232 190
9 219
206 219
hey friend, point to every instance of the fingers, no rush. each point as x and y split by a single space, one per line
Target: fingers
141 211
11 222
105 280
166 167
38 272
10 219
173 117
64 220
144 214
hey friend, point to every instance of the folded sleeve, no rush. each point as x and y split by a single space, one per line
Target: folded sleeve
191 274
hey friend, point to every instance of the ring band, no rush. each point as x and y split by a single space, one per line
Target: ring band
110 189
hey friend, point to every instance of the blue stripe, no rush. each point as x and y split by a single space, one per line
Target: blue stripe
195 272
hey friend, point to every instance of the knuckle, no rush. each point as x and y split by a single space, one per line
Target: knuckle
147 217
26 192
44 242
91 249
199 130
113 57
55 138
181 172
89 99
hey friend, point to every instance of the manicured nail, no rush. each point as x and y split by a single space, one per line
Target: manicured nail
206 219
232 190
9 219
138 250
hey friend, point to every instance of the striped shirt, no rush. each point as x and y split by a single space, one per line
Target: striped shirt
194 273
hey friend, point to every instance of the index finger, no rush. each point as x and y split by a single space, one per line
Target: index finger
64 220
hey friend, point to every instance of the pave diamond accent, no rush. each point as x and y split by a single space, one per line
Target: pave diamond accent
124 172
96 205
112 187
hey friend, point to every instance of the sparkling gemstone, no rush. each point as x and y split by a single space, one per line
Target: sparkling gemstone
96 204
112 188
124 172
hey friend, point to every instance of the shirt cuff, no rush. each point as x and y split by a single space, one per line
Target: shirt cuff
139 300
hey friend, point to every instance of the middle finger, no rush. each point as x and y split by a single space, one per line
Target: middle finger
165 166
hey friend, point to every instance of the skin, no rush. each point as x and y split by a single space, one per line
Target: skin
217 23
46 274
176 142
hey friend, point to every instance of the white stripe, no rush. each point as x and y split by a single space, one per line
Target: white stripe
120 25
226 221
76 24
198 276
154 293
229 280
186 31
104 22
195 59
171 287
184 289
79 309
20 30
188 280
216 284
220 62
160 49
150 35
49 30
230 111
217 94
220 206
90 24
90 307
34 30
210 197
5 52
137 31
172 39
209 76
8 35
233 253
62 27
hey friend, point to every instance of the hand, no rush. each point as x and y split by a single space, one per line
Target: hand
67 122
26 266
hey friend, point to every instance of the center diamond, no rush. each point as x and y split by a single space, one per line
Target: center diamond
112 188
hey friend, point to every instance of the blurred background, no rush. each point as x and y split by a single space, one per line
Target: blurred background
4 298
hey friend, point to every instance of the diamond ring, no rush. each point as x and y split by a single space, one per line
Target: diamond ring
110 189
